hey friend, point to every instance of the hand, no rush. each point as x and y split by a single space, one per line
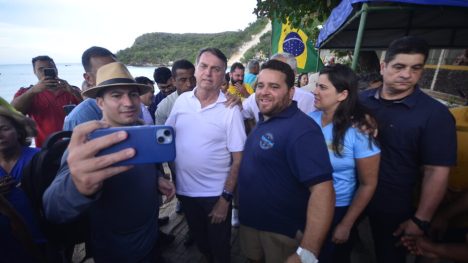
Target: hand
294 258
88 172
439 226
240 87
63 84
43 84
232 100
419 245
341 234
6 184
368 126
167 188
220 211
408 228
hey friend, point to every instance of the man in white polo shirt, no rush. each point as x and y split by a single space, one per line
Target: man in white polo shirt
304 99
210 139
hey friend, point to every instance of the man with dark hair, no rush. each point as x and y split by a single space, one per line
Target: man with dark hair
44 102
417 137
163 78
251 76
92 59
146 99
285 185
304 99
237 86
121 201
184 80
144 80
209 143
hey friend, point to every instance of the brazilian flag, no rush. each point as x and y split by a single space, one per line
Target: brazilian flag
294 41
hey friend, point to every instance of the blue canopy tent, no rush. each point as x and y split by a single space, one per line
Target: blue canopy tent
444 24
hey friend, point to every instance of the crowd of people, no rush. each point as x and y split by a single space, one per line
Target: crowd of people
296 171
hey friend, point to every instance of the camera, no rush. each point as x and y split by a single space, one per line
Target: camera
164 136
50 73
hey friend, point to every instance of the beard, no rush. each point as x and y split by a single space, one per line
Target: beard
237 81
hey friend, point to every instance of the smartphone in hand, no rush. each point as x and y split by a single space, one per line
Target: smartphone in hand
152 143
50 73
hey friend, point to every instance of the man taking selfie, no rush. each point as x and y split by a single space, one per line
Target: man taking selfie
44 102
121 202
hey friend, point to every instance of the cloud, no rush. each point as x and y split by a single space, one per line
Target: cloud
67 28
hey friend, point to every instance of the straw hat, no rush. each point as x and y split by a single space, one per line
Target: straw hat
25 126
112 75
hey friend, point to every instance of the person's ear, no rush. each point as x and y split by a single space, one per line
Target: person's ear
343 95
89 79
291 92
382 67
100 102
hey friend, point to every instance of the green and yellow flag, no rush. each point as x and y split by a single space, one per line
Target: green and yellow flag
294 41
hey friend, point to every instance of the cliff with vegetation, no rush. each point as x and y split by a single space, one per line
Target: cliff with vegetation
154 49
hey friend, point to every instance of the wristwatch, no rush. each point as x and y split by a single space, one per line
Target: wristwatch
227 195
306 256
422 224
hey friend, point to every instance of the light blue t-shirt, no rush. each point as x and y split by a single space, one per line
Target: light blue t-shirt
356 146
87 110
250 79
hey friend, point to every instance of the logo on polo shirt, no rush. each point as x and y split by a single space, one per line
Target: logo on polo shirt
266 141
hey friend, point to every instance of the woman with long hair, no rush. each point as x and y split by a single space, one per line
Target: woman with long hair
302 79
354 155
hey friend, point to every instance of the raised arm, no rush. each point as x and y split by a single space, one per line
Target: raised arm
81 174
23 101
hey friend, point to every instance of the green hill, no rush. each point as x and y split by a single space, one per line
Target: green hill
164 48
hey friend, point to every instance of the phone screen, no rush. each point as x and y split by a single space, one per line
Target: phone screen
50 73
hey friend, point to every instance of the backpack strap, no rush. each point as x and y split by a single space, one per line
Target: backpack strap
55 137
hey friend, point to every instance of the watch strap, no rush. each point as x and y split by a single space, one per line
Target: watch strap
227 195
423 225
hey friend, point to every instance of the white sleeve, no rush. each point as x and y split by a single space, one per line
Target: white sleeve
161 114
250 108
305 100
235 131
171 120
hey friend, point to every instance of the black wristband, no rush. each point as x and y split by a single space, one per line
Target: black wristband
423 225
227 195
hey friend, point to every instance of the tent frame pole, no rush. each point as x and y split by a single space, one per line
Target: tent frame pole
362 25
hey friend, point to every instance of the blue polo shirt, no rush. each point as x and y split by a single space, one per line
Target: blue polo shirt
282 158
414 131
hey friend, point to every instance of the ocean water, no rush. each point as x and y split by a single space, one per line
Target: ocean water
13 77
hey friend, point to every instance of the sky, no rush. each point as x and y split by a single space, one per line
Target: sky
63 29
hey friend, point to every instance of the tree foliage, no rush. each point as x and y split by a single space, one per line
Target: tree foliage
304 14
164 48
307 15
